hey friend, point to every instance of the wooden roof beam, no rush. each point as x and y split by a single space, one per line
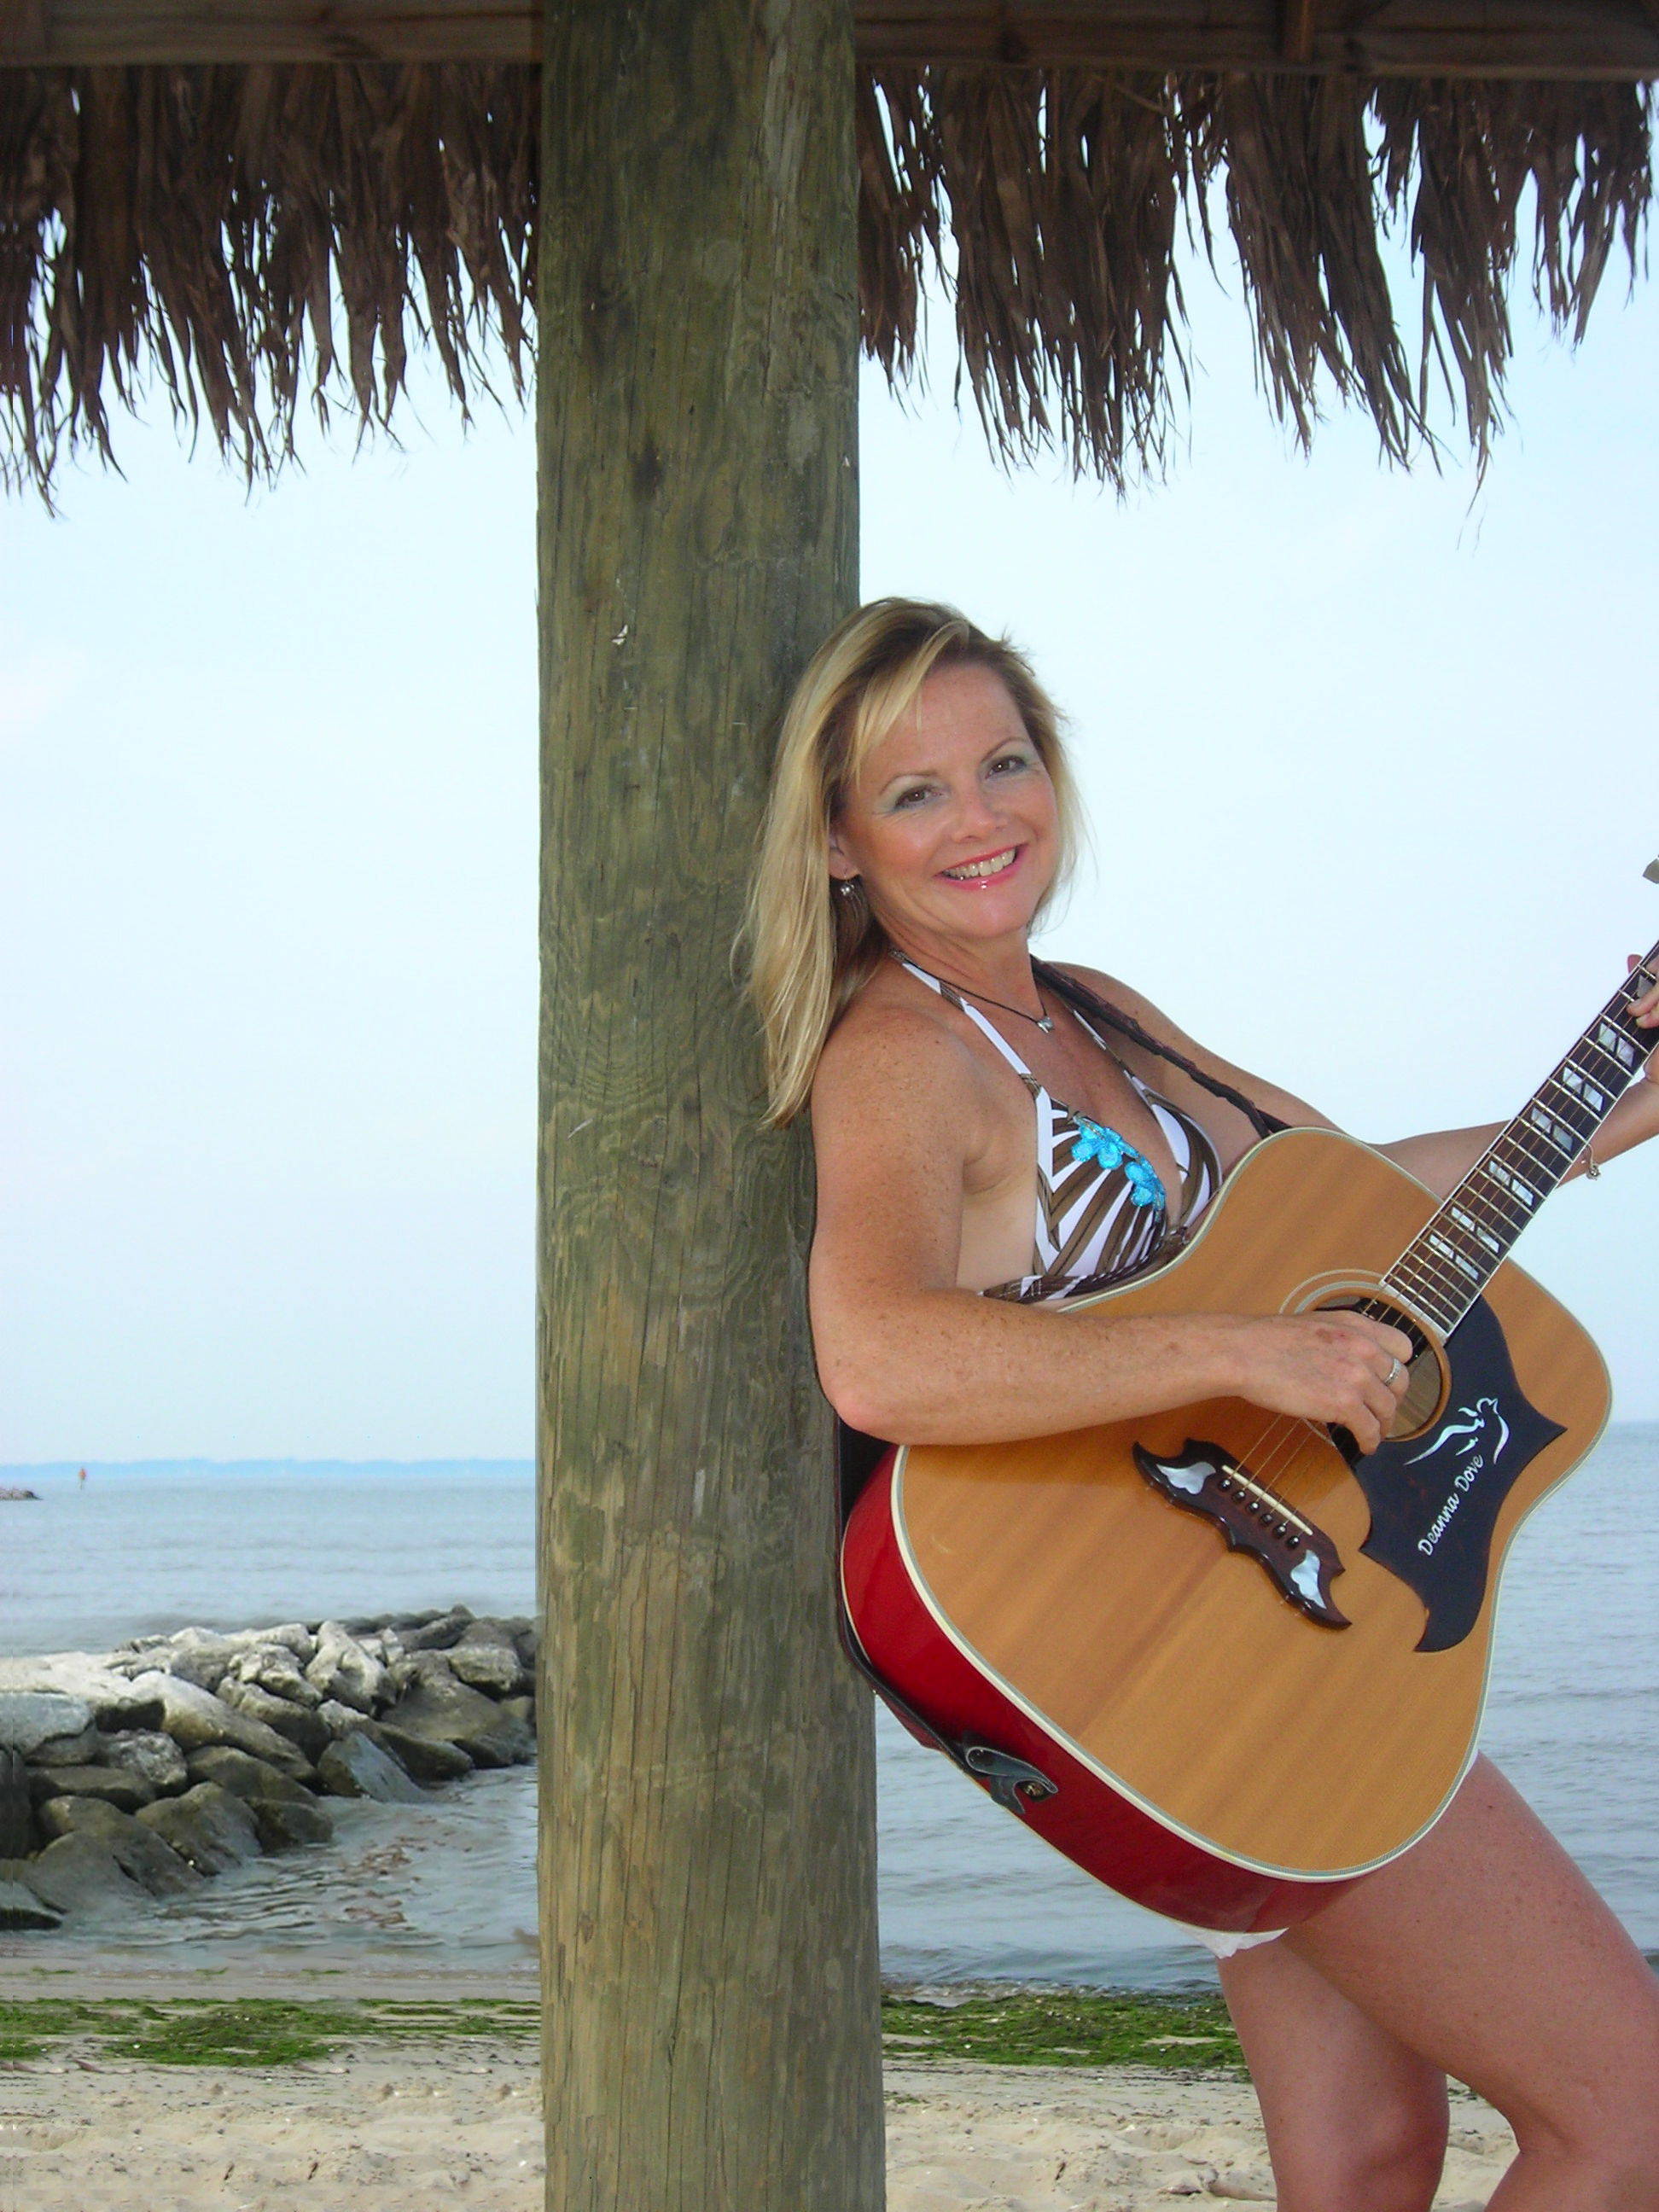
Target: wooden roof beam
1296 35
1582 39
1564 38
91 32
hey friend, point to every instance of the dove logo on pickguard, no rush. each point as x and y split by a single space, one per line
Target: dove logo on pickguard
1435 1500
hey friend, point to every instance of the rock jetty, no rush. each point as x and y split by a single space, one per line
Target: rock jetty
147 1769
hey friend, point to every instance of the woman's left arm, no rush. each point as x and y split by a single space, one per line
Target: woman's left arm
1443 1158
1439 1159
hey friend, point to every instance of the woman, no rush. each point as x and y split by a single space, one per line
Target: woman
921 817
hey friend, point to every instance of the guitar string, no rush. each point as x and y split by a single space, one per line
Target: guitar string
1271 1456
1518 1136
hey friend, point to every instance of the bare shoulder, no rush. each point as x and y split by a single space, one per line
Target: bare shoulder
887 1056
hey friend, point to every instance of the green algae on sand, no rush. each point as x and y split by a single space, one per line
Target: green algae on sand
246 2031
986 2025
1062 2027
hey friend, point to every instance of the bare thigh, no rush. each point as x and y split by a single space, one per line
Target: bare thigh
1483 1953
1353 2116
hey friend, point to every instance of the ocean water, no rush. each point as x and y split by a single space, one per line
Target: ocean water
965 1891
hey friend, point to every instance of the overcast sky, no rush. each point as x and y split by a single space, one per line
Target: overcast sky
1370 758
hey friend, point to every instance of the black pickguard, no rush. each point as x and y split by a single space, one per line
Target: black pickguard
1435 1497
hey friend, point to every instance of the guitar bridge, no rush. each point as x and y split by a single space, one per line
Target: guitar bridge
1298 1555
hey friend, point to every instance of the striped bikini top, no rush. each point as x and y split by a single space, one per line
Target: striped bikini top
1100 1211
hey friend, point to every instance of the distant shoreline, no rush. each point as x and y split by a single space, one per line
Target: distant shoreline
49 1470
54 1470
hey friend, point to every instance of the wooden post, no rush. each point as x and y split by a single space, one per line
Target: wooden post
708 1858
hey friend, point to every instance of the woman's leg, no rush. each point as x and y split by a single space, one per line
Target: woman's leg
1484 1952
1353 2119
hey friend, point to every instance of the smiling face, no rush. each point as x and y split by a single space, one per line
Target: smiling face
953 826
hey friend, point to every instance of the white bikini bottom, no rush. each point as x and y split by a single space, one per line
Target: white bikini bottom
1223 1941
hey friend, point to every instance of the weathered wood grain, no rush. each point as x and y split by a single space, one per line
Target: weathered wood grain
1566 38
707 1875
1569 39
94 32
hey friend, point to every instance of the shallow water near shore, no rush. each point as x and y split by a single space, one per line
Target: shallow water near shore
966 1893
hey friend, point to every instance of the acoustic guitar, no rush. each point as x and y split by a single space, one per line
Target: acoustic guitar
1218 1657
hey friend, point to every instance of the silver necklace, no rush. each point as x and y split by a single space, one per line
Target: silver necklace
1043 1021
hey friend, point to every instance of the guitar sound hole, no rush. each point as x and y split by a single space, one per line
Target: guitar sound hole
1426 1383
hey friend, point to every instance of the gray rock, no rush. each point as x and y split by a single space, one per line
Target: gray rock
139 1851
29 1718
302 1726
457 1714
274 1668
284 1812
98 1683
198 1656
428 1759
339 1720
16 1807
425 1762
195 1716
283 1826
343 1671
492 1667
251 1779
209 1826
68 1750
523 1709
437 1632
131 1715
76 1874
293 1637
357 1766
145 1652
431 1668
147 1752
115 1785
500 1628
20 1909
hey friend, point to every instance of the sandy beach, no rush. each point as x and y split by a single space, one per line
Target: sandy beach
404 2130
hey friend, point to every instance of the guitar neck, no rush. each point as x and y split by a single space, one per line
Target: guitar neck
1444 1269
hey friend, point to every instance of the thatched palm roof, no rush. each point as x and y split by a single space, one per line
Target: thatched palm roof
239 233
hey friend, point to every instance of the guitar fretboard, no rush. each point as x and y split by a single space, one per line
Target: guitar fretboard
1445 1270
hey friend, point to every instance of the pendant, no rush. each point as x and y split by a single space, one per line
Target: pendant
1046 1026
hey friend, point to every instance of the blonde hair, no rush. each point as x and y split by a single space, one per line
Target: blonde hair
810 950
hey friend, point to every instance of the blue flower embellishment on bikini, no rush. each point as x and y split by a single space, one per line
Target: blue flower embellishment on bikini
1095 1143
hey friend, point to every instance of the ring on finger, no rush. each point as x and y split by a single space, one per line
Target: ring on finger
1394 1370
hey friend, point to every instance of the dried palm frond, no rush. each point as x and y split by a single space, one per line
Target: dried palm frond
1063 194
1472 150
208 230
201 226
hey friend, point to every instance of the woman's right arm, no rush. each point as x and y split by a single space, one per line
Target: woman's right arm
899 1127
